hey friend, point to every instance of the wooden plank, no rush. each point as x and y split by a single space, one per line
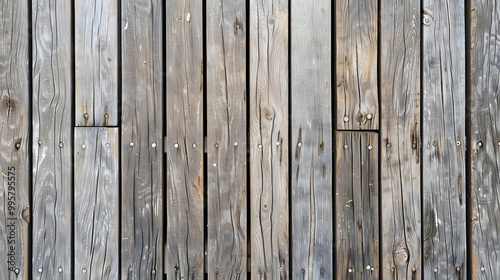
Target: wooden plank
269 139
185 183
142 139
96 63
312 206
400 139
357 90
226 139
96 203
52 139
356 197
443 161
14 139
485 138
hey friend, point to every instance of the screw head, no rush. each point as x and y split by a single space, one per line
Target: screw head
40 270
86 116
107 145
153 145
369 116
84 270
131 144
59 269
299 145
480 143
346 146
16 270
84 146
235 144
388 145
370 147
346 118
61 144
194 146
260 146
176 145
18 145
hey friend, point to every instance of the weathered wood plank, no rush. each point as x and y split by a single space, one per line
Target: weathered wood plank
357 206
485 138
400 139
142 139
269 139
312 207
357 90
52 139
226 139
443 160
96 63
14 139
185 198
96 203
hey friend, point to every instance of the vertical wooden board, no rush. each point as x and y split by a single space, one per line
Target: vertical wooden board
96 63
400 139
444 180
96 203
269 139
14 139
312 207
226 139
185 182
357 90
485 148
357 208
142 137
52 139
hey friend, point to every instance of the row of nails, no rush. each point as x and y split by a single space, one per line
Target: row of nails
86 116
84 270
368 117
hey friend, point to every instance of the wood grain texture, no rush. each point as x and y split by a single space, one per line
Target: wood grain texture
96 63
312 206
96 203
357 90
14 139
185 198
485 146
52 139
142 139
444 145
357 207
269 139
400 139
226 139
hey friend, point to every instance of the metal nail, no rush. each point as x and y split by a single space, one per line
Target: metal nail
131 144
61 144
322 271
260 271
458 268
370 147
299 145
84 146
215 164
498 143
194 146
369 116
368 267
176 145
434 143
86 116
153 271
281 268
480 144
130 269
303 270
106 116
350 269
483 269
59 269
18 145
84 270
153 145
413 269
216 270
388 145
346 146
107 145
16 270
346 118
435 270
238 271
278 143
39 142
458 143
40 270
235 144
414 146
260 146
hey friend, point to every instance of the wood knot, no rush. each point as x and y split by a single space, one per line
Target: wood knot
26 214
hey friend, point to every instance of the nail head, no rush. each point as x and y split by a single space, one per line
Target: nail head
458 143
281 268
61 144
16 270
480 143
130 269
40 270
483 269
107 145
299 145
260 146
86 115
84 270
369 116
413 269
18 145
346 146
60 269
131 144
414 146
435 270
106 116
153 271
153 145
458 268
194 146
84 146
260 271
346 118
216 271
176 145
388 145
370 147
235 144
368 267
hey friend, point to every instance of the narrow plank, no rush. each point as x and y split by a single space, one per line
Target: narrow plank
400 139
312 206
357 90
14 139
485 138
357 207
96 63
52 139
269 139
96 203
185 183
443 160
142 139
226 139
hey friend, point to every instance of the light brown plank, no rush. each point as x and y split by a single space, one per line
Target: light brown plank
226 139
96 203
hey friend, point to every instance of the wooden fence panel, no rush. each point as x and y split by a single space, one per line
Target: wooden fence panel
185 182
96 63
312 207
226 139
142 139
52 139
269 139
96 203
357 207
400 139
14 140
444 145
357 90
485 148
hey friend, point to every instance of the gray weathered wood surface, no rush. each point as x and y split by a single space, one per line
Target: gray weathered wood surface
311 127
485 139
185 193
268 114
96 63
96 203
444 144
142 139
357 207
52 107
14 140
226 139
356 69
400 139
